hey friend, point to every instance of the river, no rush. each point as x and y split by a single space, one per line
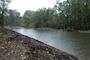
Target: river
75 43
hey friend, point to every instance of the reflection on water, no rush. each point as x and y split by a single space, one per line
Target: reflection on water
74 43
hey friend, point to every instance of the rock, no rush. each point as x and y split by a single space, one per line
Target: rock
14 46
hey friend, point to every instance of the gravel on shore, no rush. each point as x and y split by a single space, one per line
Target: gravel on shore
15 46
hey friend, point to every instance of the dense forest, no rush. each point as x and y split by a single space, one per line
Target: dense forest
69 14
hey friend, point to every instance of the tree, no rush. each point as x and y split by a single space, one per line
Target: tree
43 18
13 18
3 8
28 18
69 14
74 14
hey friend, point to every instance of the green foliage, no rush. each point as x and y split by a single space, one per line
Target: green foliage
3 9
28 18
39 18
74 14
70 14
13 18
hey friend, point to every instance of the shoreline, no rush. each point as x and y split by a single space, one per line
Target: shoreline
20 47
48 28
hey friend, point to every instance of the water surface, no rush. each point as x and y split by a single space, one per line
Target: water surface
74 43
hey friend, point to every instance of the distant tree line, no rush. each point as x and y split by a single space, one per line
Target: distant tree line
69 14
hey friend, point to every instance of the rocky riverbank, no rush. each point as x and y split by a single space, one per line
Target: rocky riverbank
14 46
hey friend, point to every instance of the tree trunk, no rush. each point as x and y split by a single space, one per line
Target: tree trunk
2 19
